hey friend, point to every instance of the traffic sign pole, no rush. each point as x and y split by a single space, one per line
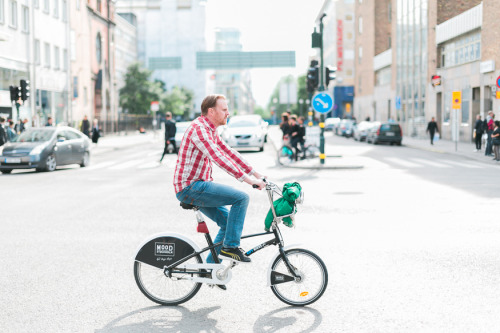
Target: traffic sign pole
321 88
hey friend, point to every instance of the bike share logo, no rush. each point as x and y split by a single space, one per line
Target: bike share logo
165 249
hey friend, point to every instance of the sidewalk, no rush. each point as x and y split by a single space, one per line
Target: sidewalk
466 150
274 135
116 141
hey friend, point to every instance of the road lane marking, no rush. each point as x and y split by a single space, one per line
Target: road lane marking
464 165
402 162
429 163
126 165
100 165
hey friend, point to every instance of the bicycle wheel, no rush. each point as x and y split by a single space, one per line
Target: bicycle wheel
156 286
285 155
313 278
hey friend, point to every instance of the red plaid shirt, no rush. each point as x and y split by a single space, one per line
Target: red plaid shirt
200 146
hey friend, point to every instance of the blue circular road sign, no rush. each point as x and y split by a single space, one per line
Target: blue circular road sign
322 102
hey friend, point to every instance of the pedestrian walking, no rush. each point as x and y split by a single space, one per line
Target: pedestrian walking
478 132
3 132
495 140
490 124
11 132
294 135
49 122
170 130
85 128
285 126
302 136
432 128
95 131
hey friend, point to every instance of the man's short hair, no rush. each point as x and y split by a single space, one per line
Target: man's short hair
209 102
2 119
168 114
293 116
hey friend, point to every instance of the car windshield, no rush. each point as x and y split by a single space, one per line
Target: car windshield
242 123
35 135
389 127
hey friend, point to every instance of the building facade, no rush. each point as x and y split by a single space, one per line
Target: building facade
37 55
169 34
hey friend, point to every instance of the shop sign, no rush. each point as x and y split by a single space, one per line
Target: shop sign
436 80
487 66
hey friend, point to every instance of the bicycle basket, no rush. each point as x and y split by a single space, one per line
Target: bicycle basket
285 207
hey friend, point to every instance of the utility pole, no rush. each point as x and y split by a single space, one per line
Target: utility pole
321 88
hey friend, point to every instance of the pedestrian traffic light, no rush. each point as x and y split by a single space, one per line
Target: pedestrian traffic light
312 78
14 93
330 74
25 89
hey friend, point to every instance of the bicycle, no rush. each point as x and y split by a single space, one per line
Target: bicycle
287 154
170 270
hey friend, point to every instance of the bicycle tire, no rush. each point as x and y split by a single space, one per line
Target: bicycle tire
157 287
312 284
285 155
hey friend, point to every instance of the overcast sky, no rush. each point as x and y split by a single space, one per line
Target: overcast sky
268 25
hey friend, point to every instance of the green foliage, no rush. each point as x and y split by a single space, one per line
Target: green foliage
178 101
138 93
265 113
299 109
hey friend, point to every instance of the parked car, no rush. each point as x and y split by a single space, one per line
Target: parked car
345 127
386 133
181 128
330 123
360 130
248 131
44 149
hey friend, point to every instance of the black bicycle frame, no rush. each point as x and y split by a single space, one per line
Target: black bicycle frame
277 240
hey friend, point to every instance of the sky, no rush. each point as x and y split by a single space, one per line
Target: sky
268 25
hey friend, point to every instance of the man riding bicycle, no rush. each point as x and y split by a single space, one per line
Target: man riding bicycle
193 181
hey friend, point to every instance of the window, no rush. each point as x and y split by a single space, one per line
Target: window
13 13
65 59
57 62
46 6
2 11
98 7
360 25
72 45
77 4
360 54
85 98
461 50
64 10
26 19
37 51
389 11
36 4
98 48
183 4
47 55
56 8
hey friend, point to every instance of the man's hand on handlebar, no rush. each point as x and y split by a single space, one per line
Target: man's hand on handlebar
256 183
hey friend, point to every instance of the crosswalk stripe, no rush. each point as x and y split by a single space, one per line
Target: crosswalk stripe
100 165
150 165
464 165
433 164
402 162
126 165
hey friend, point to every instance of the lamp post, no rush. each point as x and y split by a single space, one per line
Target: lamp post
301 101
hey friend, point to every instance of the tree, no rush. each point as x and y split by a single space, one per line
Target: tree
179 101
138 93
264 113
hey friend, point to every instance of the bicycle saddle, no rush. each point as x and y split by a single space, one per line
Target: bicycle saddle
187 206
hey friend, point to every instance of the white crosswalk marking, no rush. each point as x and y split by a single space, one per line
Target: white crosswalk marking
150 165
464 165
126 165
429 163
402 162
100 165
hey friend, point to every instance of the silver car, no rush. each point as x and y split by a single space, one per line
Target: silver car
248 131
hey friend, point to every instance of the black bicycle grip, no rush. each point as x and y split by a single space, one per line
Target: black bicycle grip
255 186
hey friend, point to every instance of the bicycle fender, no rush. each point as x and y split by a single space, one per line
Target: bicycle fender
270 269
165 248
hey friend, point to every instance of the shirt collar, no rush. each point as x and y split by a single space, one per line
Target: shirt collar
208 122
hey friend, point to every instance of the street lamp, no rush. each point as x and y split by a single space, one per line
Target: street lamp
301 101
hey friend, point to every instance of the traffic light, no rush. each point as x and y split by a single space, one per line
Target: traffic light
25 90
14 93
330 74
312 78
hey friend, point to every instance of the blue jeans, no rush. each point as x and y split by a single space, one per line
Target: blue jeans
211 198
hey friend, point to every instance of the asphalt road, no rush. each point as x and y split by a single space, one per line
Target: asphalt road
410 242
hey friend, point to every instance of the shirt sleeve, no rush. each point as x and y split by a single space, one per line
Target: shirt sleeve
205 143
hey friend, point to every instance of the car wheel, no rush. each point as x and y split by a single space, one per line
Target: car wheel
265 141
6 171
375 142
85 160
399 143
261 148
50 163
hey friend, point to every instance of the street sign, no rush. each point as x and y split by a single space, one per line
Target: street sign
398 103
322 102
498 82
456 102
155 106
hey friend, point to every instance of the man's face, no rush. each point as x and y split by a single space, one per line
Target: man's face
220 112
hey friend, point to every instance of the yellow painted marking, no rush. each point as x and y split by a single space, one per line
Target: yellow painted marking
321 125
310 123
310 113
304 294
322 156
